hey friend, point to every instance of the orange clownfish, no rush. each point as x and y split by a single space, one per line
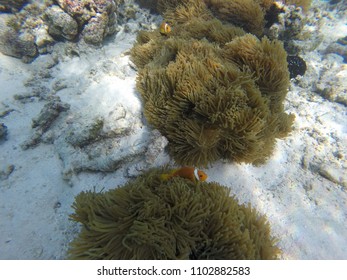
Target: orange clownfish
190 173
165 28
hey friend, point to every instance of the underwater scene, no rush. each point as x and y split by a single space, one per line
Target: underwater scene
173 129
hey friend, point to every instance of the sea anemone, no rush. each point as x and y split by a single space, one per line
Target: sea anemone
151 218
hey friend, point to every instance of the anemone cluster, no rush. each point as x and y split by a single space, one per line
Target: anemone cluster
151 218
214 90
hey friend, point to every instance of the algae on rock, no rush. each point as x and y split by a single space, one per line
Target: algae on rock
149 218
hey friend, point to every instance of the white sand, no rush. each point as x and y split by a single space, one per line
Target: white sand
301 189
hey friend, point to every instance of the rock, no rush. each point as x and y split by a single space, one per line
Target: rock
339 5
24 34
152 5
60 84
290 24
12 6
94 31
3 132
25 46
43 40
332 83
89 134
333 174
156 148
105 155
338 48
96 18
155 155
44 120
136 169
6 171
98 28
34 140
20 44
60 24
102 144
49 113
4 112
332 2
33 30
82 11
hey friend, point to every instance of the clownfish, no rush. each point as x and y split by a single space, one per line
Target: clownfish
187 172
165 28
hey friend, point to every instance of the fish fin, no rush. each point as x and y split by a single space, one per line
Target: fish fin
168 176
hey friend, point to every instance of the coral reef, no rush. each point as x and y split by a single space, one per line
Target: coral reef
286 23
60 24
23 33
148 218
32 30
15 43
213 90
97 19
291 23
